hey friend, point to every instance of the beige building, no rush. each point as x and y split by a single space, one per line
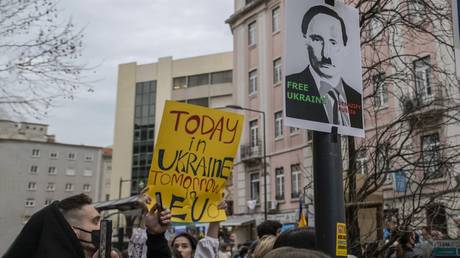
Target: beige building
141 93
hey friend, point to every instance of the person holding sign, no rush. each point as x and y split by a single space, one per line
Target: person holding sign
319 93
157 222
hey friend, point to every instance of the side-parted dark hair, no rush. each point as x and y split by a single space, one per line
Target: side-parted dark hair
298 238
190 238
290 252
75 202
315 10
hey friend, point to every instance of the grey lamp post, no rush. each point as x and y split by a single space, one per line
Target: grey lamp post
264 153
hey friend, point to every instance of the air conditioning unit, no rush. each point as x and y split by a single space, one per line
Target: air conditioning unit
273 205
252 204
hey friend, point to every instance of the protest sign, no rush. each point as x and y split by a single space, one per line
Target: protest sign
192 160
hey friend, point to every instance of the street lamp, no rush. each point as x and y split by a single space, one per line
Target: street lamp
264 153
140 185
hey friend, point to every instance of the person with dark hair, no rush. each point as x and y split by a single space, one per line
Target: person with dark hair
269 227
326 97
69 228
405 247
291 252
184 244
298 238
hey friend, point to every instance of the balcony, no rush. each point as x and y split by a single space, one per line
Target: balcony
249 153
424 106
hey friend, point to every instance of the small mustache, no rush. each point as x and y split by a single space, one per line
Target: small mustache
325 60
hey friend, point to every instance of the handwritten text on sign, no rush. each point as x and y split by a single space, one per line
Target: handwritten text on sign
192 160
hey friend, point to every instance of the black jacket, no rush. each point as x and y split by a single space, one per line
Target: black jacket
313 111
157 246
46 235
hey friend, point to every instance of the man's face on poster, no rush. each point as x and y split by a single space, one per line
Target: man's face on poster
325 46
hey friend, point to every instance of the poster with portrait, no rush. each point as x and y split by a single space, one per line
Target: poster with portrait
322 60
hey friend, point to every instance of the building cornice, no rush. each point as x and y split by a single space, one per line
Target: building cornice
243 11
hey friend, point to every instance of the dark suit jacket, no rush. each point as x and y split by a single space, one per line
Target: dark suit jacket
314 111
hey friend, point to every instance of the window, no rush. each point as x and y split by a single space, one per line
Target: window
33 169
423 79
295 181
416 11
86 188
68 187
54 155
87 172
252 82
50 187
294 130
361 162
255 187
252 34
204 102
180 82
30 203
431 155
380 91
221 77
35 153
70 172
279 184
276 20
249 1
278 124
48 202
32 186
436 217
52 171
277 71
253 133
197 80
71 156
382 158
89 157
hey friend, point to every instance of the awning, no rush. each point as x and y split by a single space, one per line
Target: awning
234 221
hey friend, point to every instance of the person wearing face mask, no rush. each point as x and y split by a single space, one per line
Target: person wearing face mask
69 228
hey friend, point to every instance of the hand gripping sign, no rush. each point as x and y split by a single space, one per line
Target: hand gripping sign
192 160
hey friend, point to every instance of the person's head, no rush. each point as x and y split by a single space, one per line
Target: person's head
290 252
265 245
83 218
326 37
298 238
184 244
269 227
407 239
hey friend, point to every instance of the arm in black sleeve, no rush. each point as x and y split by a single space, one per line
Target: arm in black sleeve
157 246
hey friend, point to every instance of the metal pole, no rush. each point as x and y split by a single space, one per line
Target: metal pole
119 197
328 185
265 170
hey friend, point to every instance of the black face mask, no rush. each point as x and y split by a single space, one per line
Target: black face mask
95 237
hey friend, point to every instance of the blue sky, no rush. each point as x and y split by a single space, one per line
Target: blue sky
121 31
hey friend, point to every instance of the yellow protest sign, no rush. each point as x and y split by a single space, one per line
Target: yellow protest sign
192 160
341 240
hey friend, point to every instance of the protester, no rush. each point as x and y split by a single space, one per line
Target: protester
269 227
157 223
69 228
290 252
265 245
405 247
297 238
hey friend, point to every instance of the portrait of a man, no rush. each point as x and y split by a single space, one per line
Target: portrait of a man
319 92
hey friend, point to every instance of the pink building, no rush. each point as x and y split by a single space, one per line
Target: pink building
257 76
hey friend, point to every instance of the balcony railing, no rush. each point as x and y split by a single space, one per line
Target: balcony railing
251 152
423 105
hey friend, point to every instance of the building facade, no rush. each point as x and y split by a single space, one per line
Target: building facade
141 93
257 76
416 86
35 171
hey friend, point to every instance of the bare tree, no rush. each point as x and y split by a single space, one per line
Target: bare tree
39 55
411 110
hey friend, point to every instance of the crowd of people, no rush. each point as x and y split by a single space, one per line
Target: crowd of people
71 228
